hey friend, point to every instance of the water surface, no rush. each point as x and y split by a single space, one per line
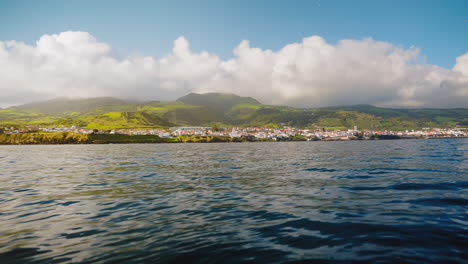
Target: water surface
278 202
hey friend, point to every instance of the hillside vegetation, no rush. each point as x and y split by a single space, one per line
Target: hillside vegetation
216 109
77 138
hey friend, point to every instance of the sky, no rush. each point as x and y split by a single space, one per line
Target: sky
299 53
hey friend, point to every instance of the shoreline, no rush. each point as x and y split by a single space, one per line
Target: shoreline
67 138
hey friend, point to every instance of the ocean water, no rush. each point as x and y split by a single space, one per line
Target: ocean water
403 201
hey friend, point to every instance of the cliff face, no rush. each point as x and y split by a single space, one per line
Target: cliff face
37 138
76 138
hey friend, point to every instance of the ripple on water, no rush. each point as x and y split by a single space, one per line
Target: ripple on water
280 202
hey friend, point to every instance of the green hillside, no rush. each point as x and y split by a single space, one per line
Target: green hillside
220 110
66 106
120 120
181 113
426 117
217 101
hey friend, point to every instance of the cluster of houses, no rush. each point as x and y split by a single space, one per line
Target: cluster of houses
317 134
264 133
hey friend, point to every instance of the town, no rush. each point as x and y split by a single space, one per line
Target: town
271 134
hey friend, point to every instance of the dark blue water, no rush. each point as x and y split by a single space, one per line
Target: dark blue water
287 202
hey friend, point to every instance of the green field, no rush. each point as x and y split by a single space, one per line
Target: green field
220 110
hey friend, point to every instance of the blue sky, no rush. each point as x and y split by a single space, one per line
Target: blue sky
438 28
300 53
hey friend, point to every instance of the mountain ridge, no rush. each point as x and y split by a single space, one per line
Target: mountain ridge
218 109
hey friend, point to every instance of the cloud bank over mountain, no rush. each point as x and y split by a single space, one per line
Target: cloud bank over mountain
310 73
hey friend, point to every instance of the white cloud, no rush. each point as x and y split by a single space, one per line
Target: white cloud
310 73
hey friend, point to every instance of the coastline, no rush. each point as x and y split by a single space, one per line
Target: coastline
66 138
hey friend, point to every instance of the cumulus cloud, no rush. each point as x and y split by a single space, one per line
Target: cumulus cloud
310 73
